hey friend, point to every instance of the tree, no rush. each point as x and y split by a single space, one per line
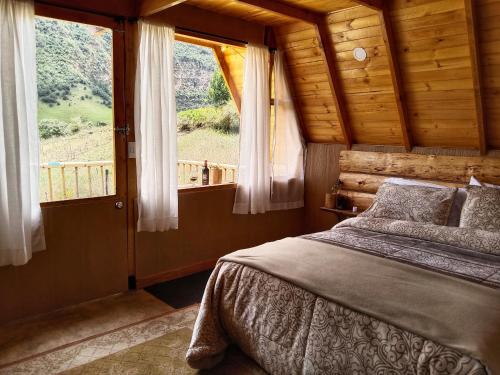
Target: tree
218 94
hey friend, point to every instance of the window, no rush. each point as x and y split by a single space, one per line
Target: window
75 110
208 119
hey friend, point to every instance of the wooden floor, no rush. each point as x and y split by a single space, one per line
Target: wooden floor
32 338
105 336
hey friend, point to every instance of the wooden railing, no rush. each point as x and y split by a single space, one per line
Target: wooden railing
74 180
190 172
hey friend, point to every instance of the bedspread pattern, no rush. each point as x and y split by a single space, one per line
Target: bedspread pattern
449 259
289 330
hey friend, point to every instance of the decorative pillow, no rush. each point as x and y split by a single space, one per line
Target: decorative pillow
458 202
412 203
475 182
481 209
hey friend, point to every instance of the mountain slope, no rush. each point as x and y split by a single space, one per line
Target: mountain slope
72 57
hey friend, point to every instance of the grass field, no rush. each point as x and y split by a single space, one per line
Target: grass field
208 144
76 109
94 143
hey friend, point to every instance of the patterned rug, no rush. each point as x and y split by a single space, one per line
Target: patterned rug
157 346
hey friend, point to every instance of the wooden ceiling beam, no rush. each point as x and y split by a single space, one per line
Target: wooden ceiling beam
480 113
284 10
397 81
150 7
325 41
226 73
373 4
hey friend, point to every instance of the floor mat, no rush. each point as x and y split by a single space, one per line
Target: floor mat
156 346
24 339
182 292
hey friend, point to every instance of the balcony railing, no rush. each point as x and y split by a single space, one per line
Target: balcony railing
190 173
73 180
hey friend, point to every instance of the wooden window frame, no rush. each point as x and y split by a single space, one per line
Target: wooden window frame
214 42
118 65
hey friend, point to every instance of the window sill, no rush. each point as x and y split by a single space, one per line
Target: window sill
197 189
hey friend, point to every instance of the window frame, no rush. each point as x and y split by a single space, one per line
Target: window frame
213 42
117 28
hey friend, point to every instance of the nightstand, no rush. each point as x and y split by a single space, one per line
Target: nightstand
341 214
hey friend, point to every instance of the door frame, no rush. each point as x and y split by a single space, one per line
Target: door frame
119 27
119 117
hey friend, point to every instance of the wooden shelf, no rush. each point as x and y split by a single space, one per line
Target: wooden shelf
345 213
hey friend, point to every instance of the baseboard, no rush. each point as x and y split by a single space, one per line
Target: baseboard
175 273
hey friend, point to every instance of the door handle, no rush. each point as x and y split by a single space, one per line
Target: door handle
119 205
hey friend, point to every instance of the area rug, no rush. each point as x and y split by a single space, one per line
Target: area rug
157 346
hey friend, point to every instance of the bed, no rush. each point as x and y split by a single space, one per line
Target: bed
371 296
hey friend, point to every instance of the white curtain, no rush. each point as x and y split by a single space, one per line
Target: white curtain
288 146
156 129
21 225
254 173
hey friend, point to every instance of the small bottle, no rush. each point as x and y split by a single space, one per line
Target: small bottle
205 174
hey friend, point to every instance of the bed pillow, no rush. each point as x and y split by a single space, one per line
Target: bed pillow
458 202
412 203
481 209
475 182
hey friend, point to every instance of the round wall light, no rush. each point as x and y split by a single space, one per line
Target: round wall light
359 54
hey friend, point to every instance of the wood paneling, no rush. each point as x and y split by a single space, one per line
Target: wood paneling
397 82
338 92
488 13
231 62
234 58
309 78
322 170
149 7
86 258
208 230
123 8
235 8
211 24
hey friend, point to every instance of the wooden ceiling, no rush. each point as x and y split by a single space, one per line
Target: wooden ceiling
431 77
249 12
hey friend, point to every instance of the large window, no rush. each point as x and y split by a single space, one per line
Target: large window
75 110
208 120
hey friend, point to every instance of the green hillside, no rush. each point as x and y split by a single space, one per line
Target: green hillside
72 57
74 73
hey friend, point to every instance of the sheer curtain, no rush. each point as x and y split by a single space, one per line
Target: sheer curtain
288 149
21 225
156 129
254 177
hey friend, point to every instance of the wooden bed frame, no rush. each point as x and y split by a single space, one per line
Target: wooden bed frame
362 172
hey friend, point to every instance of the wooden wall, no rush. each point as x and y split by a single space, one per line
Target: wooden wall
322 170
367 85
308 74
82 262
434 56
488 15
434 52
207 230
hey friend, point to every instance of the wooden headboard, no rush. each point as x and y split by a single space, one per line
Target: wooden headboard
362 173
